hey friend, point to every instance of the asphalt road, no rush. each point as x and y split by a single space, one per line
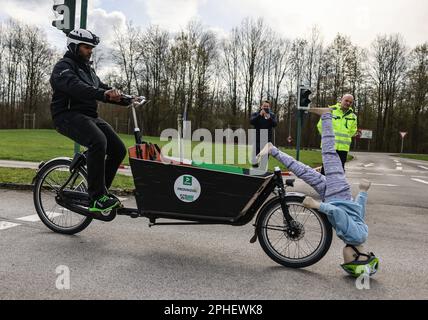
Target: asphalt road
125 259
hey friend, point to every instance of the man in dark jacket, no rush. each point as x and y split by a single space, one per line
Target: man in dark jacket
76 90
264 119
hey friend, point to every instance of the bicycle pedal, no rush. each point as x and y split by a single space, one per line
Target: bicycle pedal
106 213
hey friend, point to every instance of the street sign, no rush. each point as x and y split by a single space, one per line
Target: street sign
68 12
403 134
365 134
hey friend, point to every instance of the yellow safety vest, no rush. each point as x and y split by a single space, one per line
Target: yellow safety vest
344 126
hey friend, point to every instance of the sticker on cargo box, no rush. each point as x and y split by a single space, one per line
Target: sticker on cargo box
187 188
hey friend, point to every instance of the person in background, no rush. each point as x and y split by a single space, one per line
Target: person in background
344 126
263 119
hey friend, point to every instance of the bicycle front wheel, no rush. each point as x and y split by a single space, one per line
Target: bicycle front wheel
297 246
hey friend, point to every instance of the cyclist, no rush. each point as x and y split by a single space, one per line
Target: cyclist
76 90
346 216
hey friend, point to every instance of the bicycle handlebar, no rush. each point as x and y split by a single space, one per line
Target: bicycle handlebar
137 101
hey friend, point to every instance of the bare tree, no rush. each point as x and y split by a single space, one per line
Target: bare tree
418 90
252 38
230 57
127 56
388 68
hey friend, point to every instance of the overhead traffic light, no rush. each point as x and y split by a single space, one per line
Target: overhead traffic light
68 12
303 100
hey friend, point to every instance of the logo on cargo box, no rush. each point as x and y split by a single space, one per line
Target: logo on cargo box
187 188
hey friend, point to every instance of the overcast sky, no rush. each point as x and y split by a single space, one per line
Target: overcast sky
361 20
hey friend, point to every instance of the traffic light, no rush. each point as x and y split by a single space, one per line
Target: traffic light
68 11
304 101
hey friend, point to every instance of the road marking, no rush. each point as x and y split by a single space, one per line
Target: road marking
395 175
399 168
420 180
35 217
423 167
374 174
419 177
32 218
380 184
6 225
369 165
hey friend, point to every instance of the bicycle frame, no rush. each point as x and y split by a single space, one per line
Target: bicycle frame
261 188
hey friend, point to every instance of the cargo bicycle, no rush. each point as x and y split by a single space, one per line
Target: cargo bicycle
189 194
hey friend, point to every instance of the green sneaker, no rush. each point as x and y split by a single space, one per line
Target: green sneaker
104 203
357 268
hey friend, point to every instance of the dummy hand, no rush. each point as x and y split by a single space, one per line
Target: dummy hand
266 150
311 203
365 185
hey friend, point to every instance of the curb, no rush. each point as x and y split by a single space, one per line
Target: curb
29 187
16 186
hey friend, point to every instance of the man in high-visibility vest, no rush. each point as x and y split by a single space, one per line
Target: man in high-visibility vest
344 126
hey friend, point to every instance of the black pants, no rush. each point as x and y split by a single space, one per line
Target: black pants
101 140
343 156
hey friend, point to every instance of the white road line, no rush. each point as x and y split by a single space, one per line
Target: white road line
396 160
32 218
425 177
35 217
420 180
374 174
395 175
399 168
369 165
423 167
381 184
6 225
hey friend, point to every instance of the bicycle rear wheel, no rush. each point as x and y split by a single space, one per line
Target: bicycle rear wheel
50 179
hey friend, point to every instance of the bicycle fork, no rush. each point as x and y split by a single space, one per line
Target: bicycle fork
291 227
281 192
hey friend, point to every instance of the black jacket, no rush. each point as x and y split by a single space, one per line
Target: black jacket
76 87
260 122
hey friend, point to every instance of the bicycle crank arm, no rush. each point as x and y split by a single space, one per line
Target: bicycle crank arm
106 217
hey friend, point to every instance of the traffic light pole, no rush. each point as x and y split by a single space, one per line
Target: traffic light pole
303 102
83 23
299 123
299 132
84 14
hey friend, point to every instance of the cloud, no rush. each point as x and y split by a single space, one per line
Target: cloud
172 15
104 24
40 13
32 11
361 20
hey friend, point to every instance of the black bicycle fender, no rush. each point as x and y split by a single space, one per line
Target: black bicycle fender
44 164
289 194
